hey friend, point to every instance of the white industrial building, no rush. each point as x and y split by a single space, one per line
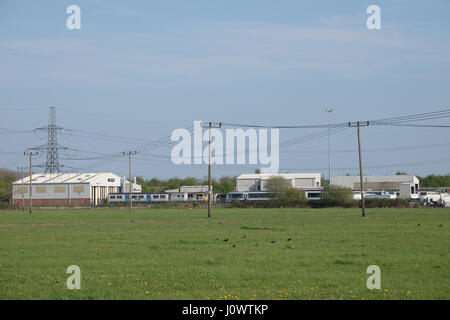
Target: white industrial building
257 181
407 185
67 189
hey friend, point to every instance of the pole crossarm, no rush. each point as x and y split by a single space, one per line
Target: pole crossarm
211 124
359 123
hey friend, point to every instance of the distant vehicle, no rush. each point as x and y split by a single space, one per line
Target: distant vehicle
202 196
446 200
429 197
138 197
375 194
379 195
357 195
312 195
248 196
221 198
259 196
235 196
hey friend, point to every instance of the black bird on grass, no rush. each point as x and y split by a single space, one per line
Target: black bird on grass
289 239
272 241
225 240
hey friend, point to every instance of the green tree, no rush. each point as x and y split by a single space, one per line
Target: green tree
283 190
277 185
224 185
435 181
293 194
337 196
7 177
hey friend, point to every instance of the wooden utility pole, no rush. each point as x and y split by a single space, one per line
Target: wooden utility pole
361 177
31 154
210 125
23 197
130 153
329 144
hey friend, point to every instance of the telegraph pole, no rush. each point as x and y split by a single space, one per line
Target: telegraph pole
23 200
329 144
358 125
210 125
31 154
130 153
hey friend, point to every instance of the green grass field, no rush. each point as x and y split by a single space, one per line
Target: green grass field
181 254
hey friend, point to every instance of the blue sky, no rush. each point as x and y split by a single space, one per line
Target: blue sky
141 69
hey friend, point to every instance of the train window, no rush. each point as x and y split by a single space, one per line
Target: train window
156 196
313 195
112 197
163 196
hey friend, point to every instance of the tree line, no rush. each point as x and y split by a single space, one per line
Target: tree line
222 185
7 177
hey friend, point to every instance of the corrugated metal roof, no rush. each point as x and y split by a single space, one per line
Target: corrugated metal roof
284 175
97 177
393 178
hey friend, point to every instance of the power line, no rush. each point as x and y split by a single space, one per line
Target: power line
385 121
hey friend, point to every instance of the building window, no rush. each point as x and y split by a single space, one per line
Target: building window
41 189
60 189
19 190
78 188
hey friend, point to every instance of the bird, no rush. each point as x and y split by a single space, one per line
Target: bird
272 241
234 246
225 240
289 239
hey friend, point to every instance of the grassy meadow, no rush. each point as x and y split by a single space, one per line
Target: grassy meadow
236 254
